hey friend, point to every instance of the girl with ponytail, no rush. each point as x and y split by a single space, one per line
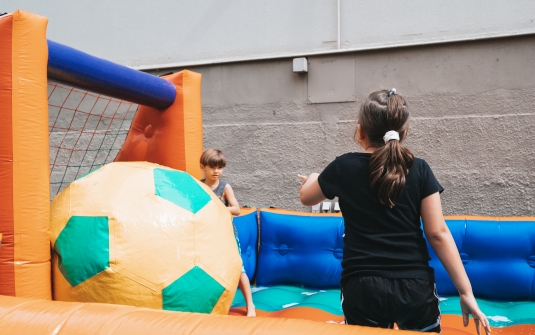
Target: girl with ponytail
383 192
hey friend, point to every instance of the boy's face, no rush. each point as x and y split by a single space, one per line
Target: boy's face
212 172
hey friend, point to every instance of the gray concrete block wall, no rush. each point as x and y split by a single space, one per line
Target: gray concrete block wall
472 105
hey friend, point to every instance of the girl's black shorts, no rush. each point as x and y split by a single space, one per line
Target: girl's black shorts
380 302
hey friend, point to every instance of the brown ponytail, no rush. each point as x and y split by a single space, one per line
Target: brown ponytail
381 112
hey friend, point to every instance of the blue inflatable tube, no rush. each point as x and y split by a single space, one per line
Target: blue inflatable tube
78 69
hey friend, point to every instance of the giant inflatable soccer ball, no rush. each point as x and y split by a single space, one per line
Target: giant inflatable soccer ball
140 234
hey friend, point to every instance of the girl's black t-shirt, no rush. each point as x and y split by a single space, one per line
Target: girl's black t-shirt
380 241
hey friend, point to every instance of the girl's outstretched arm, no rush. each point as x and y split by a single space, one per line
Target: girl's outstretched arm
233 205
310 192
440 239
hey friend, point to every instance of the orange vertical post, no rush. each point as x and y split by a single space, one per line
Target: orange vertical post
173 136
24 148
7 252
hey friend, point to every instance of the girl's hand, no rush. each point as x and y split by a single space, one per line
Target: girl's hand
310 192
469 306
303 178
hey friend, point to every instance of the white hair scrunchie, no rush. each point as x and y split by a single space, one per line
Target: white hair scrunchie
391 135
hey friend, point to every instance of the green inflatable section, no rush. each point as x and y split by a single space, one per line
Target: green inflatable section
181 189
83 248
195 291
276 298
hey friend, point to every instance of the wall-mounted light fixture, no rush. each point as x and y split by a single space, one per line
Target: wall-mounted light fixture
300 65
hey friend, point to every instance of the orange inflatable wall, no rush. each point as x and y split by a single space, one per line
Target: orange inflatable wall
24 176
28 316
173 136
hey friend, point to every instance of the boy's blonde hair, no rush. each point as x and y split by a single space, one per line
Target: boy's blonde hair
213 158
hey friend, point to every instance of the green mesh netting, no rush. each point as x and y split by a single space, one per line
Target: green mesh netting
86 131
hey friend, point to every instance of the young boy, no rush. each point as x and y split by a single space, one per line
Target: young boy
213 163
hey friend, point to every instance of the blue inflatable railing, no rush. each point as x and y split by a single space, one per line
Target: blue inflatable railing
498 255
306 251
